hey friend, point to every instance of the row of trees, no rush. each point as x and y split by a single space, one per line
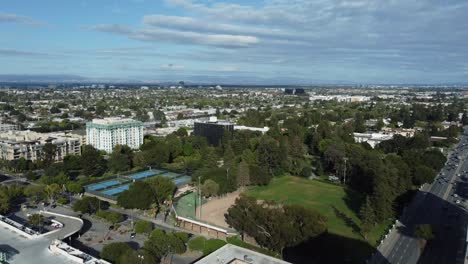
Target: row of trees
147 194
275 226
159 246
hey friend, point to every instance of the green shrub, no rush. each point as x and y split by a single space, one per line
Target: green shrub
197 244
143 227
62 200
205 246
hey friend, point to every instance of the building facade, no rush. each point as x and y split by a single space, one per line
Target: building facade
105 134
28 145
212 130
8 127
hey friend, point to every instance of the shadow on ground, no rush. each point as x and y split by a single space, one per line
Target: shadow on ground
329 248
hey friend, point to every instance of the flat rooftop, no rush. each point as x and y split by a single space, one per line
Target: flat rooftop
114 121
22 250
231 254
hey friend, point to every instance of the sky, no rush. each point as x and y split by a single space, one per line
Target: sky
271 41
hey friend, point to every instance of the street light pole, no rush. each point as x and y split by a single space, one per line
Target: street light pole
344 170
199 197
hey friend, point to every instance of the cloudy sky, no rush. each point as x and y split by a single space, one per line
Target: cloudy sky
361 41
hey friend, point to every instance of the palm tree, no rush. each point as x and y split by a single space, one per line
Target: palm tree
36 220
52 190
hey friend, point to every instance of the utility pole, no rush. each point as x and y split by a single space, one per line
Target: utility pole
344 170
199 197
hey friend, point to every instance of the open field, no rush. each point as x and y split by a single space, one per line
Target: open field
338 204
213 210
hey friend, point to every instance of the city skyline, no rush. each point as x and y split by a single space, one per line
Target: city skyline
278 41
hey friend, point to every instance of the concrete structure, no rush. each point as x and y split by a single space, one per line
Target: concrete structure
27 144
263 130
8 127
371 138
61 248
213 130
231 254
105 134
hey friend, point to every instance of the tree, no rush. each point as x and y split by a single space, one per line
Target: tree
275 226
367 216
72 162
181 132
423 174
359 126
464 119
52 190
49 151
34 192
138 196
120 159
88 205
92 161
241 215
424 231
143 227
379 125
269 154
163 188
114 217
36 220
161 244
113 251
75 187
7 195
159 115
54 110
210 188
259 175
243 174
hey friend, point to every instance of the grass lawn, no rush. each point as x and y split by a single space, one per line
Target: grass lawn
338 204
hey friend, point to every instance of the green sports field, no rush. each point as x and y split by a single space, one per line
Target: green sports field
338 204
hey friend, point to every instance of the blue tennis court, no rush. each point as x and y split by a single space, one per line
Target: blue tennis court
182 180
142 175
103 185
117 190
156 171
169 175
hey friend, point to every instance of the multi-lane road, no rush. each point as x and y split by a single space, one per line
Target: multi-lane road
441 204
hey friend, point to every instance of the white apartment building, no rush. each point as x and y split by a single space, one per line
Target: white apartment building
8 127
105 134
27 144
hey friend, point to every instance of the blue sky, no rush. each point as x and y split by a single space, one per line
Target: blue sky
271 41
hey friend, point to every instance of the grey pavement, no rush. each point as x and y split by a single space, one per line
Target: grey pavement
436 207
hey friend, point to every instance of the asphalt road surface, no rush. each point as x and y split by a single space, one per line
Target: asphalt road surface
441 204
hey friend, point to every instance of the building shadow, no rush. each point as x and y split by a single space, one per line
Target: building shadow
330 248
448 221
9 251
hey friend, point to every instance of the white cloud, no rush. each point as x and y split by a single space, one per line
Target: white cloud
14 18
155 34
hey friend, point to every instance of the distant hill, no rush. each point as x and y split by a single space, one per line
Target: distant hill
40 78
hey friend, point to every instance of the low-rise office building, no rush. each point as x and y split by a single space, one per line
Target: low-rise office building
28 145
213 130
371 138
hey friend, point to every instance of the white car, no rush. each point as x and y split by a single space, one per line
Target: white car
457 201
455 195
